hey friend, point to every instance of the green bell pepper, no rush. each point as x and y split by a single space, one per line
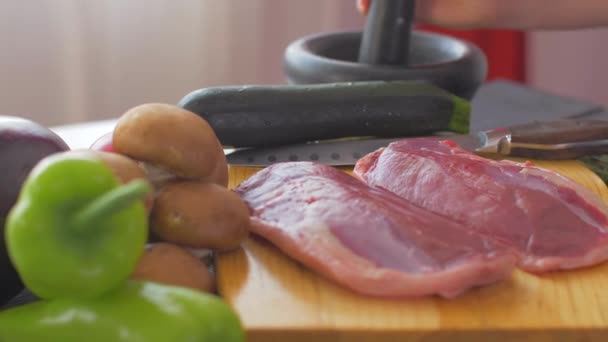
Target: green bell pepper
135 312
75 230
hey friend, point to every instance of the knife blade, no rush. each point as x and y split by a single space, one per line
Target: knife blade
554 139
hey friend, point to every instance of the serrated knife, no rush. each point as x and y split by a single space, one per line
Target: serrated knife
554 139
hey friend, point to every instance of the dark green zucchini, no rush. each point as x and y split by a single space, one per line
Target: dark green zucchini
257 115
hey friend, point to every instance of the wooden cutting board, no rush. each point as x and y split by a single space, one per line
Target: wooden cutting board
280 300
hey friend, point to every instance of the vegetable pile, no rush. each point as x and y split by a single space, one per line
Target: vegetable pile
185 162
191 207
105 237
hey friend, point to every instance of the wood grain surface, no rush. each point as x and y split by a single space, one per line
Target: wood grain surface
280 300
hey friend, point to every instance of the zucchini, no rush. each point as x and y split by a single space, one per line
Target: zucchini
258 115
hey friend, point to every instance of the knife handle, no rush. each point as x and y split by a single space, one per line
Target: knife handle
559 139
262 115
559 131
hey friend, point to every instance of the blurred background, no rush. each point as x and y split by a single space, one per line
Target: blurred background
64 61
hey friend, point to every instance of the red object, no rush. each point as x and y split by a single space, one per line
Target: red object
505 50
103 143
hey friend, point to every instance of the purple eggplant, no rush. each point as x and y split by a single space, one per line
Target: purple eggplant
23 143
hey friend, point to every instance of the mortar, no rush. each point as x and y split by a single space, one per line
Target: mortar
455 65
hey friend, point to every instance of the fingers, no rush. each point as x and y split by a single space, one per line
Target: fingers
460 14
511 14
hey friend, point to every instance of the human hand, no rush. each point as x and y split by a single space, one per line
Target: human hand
509 14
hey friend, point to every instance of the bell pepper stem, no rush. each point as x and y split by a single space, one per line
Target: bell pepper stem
111 202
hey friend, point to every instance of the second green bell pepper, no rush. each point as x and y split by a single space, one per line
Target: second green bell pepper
75 230
135 312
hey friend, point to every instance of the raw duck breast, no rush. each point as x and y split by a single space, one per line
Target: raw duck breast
550 221
368 239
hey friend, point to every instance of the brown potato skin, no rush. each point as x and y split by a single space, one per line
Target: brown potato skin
170 137
126 170
201 215
219 175
173 265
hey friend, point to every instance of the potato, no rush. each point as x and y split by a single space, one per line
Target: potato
170 138
124 169
200 215
170 264
219 175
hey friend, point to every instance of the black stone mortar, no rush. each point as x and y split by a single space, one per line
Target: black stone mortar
452 64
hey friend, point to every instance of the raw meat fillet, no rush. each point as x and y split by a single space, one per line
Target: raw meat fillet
549 220
365 238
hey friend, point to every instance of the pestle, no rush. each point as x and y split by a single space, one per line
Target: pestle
386 37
